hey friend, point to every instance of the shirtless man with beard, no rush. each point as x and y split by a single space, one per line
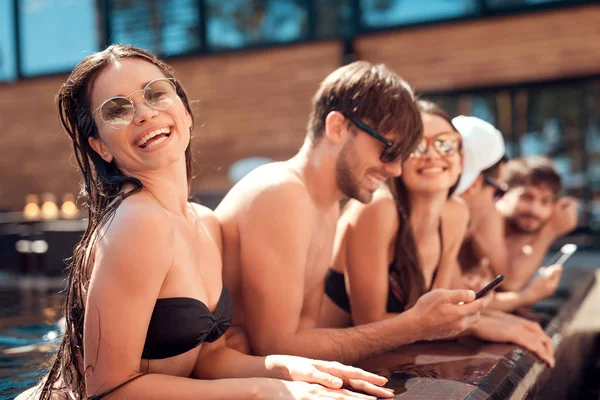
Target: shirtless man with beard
279 224
534 216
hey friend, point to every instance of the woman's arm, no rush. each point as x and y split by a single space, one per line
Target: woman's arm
455 222
217 361
488 242
371 231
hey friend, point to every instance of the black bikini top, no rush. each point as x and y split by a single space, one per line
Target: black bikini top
179 324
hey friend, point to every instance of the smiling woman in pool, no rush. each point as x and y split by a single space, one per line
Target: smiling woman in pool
145 306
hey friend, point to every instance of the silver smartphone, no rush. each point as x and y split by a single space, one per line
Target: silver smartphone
563 254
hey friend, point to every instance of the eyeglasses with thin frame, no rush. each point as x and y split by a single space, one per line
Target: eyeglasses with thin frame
500 188
118 112
446 144
392 152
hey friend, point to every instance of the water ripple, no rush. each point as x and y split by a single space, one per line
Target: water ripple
28 337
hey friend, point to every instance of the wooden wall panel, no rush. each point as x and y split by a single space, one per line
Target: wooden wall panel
528 47
253 103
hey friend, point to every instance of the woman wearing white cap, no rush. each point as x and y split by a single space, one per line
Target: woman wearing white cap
406 242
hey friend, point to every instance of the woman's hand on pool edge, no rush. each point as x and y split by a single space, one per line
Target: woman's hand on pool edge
497 326
275 389
329 374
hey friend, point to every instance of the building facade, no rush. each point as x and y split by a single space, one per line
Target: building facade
251 67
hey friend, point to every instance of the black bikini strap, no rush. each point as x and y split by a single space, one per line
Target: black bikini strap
109 391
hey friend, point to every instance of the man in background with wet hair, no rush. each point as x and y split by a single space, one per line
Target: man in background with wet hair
534 217
279 224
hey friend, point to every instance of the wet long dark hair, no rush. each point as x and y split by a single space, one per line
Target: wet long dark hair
102 189
407 273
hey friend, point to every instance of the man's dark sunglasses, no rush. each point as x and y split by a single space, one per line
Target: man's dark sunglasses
391 152
500 188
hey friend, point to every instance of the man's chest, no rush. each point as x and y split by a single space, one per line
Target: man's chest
517 244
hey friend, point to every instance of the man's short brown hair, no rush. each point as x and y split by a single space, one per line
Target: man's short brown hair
532 170
372 94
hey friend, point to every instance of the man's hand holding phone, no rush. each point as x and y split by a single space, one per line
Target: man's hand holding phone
545 284
564 218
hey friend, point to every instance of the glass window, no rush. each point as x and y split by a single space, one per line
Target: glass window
448 103
334 18
8 68
237 23
500 4
387 13
555 128
160 26
592 145
59 45
561 121
484 107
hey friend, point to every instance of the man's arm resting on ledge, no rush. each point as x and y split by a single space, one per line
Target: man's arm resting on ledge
275 237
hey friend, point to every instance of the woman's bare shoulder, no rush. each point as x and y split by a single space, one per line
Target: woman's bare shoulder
455 220
135 213
382 203
455 211
137 223
380 214
208 219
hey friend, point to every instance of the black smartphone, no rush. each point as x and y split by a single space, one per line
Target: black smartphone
563 255
493 284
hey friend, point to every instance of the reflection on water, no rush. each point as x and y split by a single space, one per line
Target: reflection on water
28 335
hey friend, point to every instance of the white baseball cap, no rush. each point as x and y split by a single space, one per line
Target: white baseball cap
483 146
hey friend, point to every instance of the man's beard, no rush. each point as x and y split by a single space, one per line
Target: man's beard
513 222
344 178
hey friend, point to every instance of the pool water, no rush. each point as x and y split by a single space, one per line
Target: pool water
29 335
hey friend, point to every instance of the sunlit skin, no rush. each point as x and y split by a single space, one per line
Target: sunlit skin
359 165
485 251
431 172
527 208
121 79
159 245
294 206
534 218
366 233
365 246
